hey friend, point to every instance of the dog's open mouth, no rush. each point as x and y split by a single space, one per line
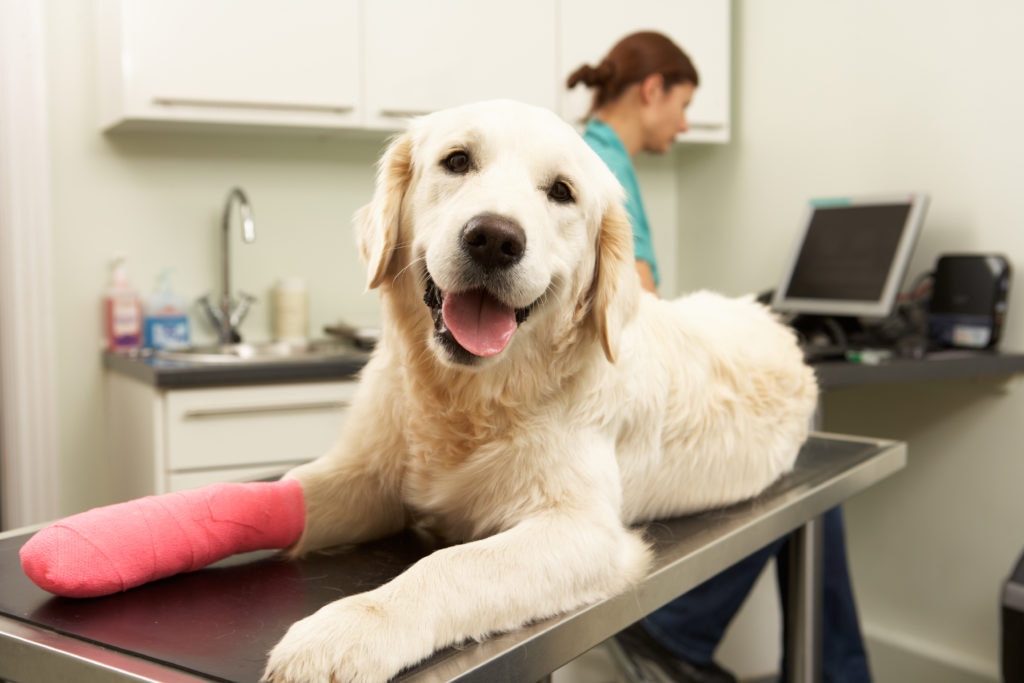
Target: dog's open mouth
473 321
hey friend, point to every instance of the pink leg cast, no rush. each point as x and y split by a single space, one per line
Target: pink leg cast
114 548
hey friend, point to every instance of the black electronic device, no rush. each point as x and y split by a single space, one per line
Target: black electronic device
968 302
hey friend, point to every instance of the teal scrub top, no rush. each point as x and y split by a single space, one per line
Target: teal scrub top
603 140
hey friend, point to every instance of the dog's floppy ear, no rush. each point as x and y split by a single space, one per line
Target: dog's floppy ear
616 286
377 223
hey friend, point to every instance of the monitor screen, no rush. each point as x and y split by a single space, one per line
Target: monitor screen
851 256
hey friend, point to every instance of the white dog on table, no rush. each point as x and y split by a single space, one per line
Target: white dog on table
526 401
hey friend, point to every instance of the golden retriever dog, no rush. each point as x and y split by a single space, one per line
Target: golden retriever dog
526 401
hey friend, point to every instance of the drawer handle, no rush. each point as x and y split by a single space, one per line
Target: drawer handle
403 113
202 414
244 104
697 125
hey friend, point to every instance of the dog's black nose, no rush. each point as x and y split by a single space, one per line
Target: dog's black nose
493 241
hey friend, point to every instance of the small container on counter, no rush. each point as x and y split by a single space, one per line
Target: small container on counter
291 310
166 322
122 310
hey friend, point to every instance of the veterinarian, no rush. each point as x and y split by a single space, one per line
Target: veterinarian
641 91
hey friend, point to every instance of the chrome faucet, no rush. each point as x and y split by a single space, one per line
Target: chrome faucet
228 314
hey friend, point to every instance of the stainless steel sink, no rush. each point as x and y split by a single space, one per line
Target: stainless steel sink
270 352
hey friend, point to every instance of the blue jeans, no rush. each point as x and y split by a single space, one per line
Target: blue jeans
692 625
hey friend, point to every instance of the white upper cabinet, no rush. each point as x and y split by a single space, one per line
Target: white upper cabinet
223 61
328 65
588 30
424 56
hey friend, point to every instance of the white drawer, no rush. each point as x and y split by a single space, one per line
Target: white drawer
246 426
180 481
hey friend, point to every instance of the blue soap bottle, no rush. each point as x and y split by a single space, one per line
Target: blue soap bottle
166 316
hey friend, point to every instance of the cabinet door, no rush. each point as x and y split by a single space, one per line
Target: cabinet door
700 27
424 56
261 61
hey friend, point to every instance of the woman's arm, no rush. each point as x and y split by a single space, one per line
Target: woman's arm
646 276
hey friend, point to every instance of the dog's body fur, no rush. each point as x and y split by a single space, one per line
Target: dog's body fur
607 407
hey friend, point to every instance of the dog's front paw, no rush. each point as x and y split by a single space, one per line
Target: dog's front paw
354 640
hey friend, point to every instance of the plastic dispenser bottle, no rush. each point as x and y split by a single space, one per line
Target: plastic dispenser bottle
122 311
166 323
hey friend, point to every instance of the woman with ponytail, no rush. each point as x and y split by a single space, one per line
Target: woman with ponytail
641 91
640 94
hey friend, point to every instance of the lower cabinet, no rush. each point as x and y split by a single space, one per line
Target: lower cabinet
165 440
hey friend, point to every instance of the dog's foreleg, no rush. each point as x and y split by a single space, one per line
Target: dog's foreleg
110 549
346 502
352 494
547 564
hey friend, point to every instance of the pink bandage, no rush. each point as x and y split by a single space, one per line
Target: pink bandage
114 548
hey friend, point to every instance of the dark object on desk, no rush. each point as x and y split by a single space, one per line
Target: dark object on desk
826 337
1013 625
968 303
903 333
365 338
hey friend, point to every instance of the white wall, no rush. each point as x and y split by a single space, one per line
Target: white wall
835 98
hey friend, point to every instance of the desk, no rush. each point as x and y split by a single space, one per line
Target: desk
937 365
217 624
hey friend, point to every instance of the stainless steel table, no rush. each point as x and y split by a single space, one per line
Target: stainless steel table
217 624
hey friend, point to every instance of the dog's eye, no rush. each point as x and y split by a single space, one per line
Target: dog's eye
457 161
560 192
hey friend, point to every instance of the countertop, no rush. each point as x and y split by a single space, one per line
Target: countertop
832 374
173 374
947 364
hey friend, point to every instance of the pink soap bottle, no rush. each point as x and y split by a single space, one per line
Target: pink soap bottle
122 310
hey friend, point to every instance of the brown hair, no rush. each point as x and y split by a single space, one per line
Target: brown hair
630 61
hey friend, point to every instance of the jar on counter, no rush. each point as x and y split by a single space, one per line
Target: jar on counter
291 310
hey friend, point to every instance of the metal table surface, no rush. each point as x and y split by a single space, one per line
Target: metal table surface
216 624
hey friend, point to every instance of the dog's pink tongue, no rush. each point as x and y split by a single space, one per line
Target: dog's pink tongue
480 323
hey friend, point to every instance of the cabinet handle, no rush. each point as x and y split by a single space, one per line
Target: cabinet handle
207 413
403 113
243 104
696 125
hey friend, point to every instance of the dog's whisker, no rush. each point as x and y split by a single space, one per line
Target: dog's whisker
421 259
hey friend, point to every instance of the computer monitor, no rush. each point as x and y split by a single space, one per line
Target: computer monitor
851 256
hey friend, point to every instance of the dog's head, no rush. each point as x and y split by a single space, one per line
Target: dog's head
500 217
